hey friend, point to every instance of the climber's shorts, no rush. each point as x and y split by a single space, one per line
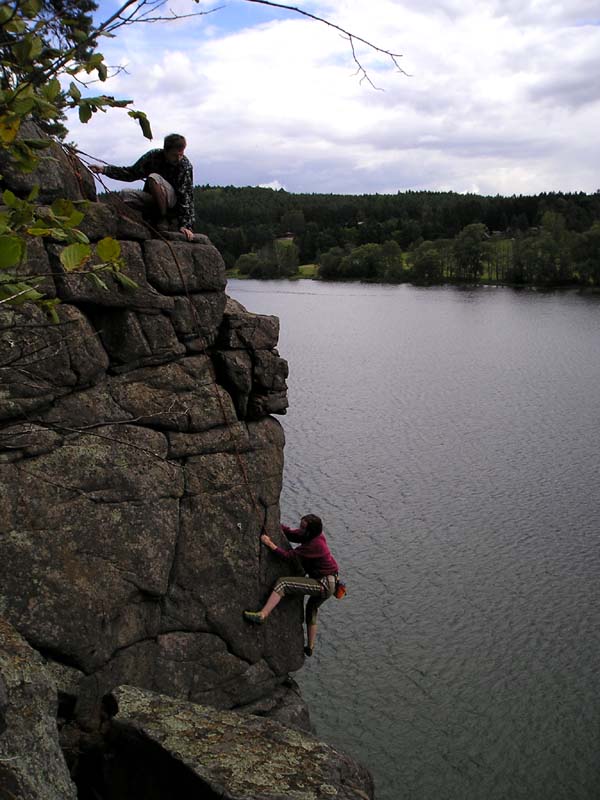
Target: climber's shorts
318 590
168 190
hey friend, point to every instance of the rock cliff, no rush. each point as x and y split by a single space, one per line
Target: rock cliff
139 462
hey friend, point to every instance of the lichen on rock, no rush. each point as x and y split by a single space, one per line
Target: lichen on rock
32 766
230 756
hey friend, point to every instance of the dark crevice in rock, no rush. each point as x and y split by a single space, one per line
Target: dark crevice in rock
65 711
121 649
285 705
173 566
128 766
150 361
52 654
73 365
98 498
110 389
218 631
186 631
27 439
145 595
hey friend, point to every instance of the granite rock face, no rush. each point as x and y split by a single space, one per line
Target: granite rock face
212 754
59 174
32 766
136 474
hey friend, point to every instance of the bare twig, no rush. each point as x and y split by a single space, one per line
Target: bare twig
45 346
44 326
163 460
351 37
14 296
136 11
114 71
360 70
45 479
133 20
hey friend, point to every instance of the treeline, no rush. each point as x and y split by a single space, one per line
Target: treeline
423 236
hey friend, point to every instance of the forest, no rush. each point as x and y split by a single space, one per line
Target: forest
550 239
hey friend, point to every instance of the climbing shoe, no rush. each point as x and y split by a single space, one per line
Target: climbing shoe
253 616
308 651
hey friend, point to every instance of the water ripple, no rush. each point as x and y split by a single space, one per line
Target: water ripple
450 440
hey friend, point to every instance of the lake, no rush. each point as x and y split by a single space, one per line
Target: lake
450 440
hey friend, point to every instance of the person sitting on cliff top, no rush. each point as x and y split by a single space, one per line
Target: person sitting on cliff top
168 183
318 564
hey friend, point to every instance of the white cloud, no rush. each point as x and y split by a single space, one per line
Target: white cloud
272 185
502 97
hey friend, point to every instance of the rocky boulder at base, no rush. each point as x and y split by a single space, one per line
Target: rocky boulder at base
197 751
32 766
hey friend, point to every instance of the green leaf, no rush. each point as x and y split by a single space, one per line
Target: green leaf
23 106
75 256
144 122
52 89
97 281
19 52
85 113
125 282
96 62
40 230
74 219
74 91
5 222
108 249
33 194
23 156
37 144
79 236
49 307
9 199
46 227
12 250
61 207
64 213
18 293
31 7
36 47
16 25
9 127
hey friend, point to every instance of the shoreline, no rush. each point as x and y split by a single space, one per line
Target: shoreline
232 275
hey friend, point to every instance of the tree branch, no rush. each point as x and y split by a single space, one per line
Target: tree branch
352 37
16 295
145 17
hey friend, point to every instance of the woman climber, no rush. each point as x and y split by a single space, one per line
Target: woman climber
319 566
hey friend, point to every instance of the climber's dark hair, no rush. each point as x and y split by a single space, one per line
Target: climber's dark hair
314 526
174 141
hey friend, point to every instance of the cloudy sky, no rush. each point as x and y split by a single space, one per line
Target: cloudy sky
502 96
